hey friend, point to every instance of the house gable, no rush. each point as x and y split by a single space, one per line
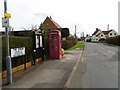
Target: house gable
95 31
101 36
112 33
50 24
94 35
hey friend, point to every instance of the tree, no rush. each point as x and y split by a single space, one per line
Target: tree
65 32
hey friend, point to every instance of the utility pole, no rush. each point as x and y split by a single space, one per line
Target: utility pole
8 58
83 37
108 27
75 31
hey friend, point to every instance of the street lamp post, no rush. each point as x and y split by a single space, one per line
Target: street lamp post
8 58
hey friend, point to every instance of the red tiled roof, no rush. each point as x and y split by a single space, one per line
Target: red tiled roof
98 34
106 32
50 24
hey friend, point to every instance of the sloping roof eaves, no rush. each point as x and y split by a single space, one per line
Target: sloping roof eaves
95 32
56 24
98 34
50 24
106 32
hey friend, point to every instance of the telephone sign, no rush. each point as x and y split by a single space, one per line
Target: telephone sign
5 22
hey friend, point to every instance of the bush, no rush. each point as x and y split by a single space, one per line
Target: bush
70 42
46 46
66 44
27 33
88 40
65 32
102 40
72 39
113 40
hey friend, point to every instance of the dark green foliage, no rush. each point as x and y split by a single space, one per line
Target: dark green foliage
102 40
88 40
113 40
66 44
72 39
70 42
27 33
46 46
65 32
16 42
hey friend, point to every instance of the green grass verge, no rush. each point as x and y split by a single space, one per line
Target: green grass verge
78 45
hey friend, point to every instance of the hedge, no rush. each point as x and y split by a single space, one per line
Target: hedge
16 42
46 46
66 44
113 40
70 42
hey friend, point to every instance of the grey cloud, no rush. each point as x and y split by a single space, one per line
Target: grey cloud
41 14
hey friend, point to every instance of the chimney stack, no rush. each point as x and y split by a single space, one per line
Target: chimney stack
50 17
97 29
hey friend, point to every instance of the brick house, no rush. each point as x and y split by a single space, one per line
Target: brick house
50 24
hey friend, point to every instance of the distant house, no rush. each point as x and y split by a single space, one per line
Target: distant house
50 24
87 38
102 35
81 38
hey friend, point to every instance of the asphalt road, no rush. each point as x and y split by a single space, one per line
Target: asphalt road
98 67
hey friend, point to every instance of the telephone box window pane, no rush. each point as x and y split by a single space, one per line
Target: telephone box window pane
41 41
37 41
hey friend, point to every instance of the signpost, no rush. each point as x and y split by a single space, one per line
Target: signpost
5 24
7 15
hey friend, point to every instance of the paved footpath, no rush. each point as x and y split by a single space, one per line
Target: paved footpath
48 74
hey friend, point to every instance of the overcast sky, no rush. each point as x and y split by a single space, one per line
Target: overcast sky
87 15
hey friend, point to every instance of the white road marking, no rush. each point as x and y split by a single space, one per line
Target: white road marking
69 80
109 51
82 60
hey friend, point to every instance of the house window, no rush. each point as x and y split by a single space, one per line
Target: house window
110 33
114 33
96 39
101 35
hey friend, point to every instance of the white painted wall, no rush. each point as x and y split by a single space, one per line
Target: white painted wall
94 38
113 33
101 36
87 38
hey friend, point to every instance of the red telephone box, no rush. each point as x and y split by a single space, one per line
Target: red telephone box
55 44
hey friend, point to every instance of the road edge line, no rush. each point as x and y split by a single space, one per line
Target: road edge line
70 77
